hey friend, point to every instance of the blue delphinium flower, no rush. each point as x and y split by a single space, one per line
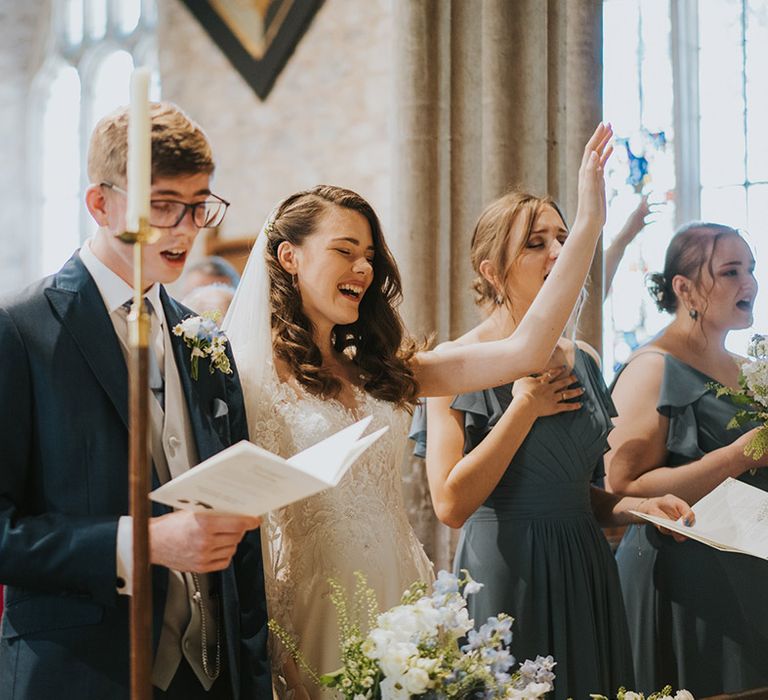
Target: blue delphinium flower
501 626
445 585
498 660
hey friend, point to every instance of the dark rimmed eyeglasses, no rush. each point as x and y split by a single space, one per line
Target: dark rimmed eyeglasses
169 213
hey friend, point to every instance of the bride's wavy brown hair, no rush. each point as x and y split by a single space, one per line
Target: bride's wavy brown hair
376 342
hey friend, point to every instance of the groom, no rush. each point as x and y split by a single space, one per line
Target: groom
65 541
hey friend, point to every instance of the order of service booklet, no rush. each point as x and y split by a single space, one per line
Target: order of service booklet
247 480
732 517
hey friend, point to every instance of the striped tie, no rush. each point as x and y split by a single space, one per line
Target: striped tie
156 381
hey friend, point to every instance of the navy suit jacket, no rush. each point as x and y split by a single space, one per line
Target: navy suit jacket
64 484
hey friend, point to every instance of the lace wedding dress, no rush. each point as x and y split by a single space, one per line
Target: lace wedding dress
361 525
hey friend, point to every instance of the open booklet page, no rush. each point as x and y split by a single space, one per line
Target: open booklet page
733 517
248 480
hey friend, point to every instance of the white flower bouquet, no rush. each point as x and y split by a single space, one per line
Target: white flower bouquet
752 398
663 694
414 651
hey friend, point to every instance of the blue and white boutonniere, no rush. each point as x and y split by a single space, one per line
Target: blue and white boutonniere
205 339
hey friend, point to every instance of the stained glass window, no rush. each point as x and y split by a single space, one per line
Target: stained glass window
694 71
638 100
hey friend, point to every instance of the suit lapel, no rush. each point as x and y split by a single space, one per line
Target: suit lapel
195 391
77 301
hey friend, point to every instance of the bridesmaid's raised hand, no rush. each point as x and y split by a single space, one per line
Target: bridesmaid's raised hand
591 210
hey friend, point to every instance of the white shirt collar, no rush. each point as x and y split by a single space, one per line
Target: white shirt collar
113 289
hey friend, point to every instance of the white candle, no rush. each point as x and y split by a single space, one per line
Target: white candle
139 167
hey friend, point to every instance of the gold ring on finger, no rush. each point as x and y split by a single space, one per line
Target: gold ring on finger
562 397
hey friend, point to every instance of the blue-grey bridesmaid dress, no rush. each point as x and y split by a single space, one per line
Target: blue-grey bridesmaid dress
537 547
698 617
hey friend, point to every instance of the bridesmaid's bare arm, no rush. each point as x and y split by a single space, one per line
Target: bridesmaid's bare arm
638 462
459 484
462 368
612 510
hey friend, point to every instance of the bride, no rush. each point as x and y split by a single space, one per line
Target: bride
319 344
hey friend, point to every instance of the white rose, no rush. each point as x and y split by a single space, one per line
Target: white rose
399 619
428 665
394 660
191 326
378 640
424 618
391 689
684 694
632 695
416 681
756 378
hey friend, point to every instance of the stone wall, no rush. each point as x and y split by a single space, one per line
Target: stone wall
326 120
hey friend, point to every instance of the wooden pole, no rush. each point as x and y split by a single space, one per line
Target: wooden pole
139 477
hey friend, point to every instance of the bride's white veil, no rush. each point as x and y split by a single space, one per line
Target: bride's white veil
248 325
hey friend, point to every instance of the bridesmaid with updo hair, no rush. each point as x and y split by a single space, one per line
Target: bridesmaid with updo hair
512 465
694 612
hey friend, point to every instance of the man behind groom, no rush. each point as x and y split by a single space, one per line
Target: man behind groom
65 539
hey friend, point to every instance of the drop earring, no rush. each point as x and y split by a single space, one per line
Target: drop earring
693 314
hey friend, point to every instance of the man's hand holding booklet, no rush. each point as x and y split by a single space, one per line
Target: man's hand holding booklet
247 480
733 518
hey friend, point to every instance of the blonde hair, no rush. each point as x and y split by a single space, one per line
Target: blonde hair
493 237
179 145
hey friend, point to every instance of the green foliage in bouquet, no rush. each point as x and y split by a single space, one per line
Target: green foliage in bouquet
361 672
751 398
413 649
664 694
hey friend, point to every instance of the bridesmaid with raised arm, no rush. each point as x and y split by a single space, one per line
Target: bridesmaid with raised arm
319 343
512 465
697 616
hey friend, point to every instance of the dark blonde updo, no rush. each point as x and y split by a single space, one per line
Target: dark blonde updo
492 239
689 251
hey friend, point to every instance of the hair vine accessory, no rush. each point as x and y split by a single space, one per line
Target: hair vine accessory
269 227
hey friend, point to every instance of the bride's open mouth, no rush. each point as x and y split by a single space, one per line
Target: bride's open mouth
353 292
